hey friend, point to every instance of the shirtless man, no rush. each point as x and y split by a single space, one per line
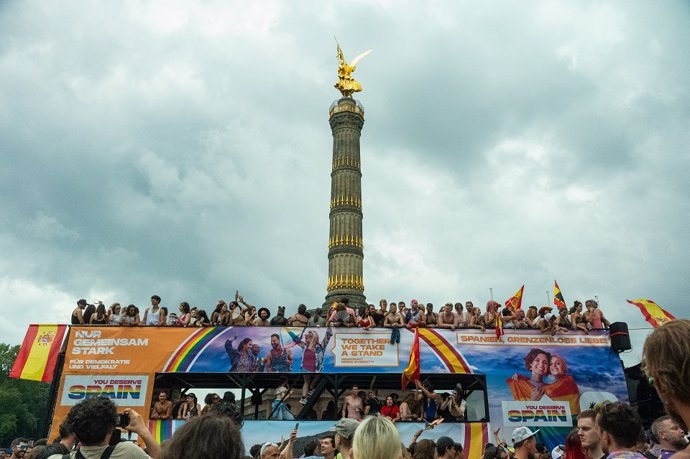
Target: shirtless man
353 408
262 320
447 318
402 309
431 316
381 313
395 321
162 409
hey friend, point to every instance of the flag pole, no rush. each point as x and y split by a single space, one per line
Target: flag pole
491 292
547 298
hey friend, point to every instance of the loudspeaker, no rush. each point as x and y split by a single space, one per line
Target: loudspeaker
620 340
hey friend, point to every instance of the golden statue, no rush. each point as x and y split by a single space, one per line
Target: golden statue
346 83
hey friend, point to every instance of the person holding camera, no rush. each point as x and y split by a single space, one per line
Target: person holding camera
95 422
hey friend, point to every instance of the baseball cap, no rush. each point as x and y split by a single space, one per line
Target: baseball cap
549 316
522 433
557 452
345 427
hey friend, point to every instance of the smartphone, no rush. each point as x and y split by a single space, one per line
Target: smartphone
297 426
122 420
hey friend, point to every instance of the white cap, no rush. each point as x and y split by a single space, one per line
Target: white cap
522 433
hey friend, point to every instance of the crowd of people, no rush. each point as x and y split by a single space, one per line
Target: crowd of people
392 315
610 430
421 404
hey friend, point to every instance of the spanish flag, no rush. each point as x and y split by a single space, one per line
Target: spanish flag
411 373
516 300
652 312
499 327
38 354
558 296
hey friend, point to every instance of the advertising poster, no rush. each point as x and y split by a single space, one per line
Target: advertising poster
532 379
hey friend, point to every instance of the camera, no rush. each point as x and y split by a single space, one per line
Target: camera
122 420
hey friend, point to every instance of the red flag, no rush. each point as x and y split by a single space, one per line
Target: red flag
411 373
499 327
653 313
558 296
516 300
38 355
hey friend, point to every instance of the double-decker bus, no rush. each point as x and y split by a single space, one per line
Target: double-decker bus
525 378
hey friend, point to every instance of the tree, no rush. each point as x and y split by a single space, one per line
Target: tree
23 404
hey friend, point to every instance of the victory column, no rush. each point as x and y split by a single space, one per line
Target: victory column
345 242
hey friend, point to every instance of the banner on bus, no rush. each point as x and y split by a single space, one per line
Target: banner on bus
124 390
541 413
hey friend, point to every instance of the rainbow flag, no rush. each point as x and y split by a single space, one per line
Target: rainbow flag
411 373
39 352
652 312
163 429
558 296
516 300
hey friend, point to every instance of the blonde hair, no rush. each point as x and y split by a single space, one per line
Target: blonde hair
376 438
666 359
314 339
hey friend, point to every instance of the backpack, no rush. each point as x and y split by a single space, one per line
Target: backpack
106 454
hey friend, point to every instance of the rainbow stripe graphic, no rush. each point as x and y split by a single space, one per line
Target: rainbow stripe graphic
184 356
163 429
451 357
476 434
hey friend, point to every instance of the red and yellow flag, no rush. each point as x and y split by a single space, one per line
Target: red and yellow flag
411 373
652 312
499 327
558 300
515 300
38 354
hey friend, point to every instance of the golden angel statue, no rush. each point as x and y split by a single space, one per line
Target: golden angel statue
346 83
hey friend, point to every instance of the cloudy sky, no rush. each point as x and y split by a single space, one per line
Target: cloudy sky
184 150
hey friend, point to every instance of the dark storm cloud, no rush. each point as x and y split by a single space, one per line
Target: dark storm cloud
185 150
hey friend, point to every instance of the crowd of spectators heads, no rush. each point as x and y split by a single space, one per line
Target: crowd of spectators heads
390 315
93 425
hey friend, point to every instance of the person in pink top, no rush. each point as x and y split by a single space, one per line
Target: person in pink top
313 353
596 317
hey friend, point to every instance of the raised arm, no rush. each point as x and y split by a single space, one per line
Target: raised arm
136 425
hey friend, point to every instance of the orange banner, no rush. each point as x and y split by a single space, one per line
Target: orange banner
128 350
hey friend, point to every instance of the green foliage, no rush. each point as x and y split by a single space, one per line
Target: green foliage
23 404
